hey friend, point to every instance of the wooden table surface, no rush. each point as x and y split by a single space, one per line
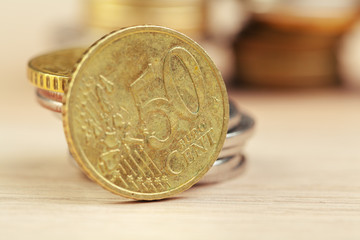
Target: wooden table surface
302 179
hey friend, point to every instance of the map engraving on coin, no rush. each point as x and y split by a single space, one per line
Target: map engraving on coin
146 112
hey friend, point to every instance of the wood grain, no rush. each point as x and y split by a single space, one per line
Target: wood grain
302 180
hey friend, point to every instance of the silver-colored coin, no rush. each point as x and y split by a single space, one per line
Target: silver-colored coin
225 169
239 134
234 115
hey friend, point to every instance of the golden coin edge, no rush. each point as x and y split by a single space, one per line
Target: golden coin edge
35 73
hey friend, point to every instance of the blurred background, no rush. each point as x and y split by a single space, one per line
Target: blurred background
255 43
265 44
293 64
258 45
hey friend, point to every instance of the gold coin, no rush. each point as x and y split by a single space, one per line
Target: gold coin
146 112
52 71
184 15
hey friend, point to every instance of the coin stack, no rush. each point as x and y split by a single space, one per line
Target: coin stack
187 16
212 23
191 17
50 73
349 56
293 43
103 16
116 148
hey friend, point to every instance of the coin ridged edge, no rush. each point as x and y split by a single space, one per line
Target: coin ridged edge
46 81
42 79
101 180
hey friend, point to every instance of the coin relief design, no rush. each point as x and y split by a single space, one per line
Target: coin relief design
146 112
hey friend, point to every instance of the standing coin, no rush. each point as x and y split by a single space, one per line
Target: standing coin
146 112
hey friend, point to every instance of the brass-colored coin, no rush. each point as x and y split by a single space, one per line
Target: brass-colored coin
146 112
184 15
52 71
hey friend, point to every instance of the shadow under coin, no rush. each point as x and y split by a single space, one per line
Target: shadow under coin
134 202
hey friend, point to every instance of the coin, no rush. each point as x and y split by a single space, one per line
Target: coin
54 96
187 16
52 100
237 135
240 128
234 115
302 59
48 103
146 112
52 71
225 169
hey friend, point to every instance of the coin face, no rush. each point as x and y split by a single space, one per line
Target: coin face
52 71
146 112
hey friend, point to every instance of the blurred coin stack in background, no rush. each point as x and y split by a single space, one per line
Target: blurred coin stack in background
100 17
349 58
211 23
186 16
293 43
